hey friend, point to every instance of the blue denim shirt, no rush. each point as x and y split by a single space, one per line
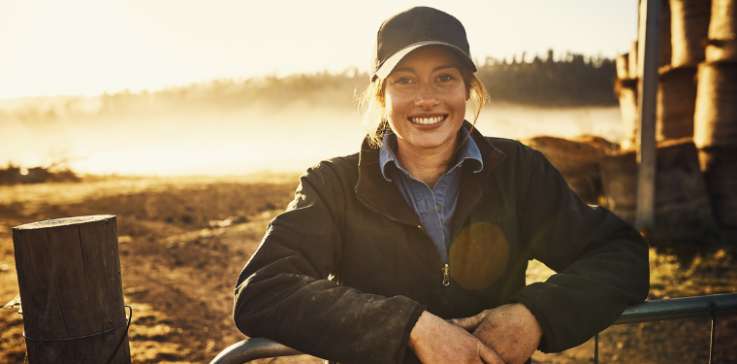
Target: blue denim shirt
434 205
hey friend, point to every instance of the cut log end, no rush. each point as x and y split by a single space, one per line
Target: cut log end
64 221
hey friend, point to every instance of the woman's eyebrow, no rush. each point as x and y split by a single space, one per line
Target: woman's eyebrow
410 69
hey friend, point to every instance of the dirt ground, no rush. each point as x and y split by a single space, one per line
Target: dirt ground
183 241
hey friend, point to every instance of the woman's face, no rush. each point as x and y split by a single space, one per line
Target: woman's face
425 99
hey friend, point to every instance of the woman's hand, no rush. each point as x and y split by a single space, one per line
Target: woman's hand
435 340
510 330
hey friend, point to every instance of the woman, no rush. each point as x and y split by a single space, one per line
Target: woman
416 247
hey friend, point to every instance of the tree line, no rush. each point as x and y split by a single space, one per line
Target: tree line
572 80
567 80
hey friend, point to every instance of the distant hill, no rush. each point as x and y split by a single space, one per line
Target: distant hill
570 80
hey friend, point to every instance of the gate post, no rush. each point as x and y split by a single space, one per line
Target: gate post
71 290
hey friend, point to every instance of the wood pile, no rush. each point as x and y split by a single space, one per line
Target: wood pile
696 100
715 118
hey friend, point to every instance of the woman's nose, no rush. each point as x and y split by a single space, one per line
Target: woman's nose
426 97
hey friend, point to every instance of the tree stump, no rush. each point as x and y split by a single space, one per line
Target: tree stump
71 291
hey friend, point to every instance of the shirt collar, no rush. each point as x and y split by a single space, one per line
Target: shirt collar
469 151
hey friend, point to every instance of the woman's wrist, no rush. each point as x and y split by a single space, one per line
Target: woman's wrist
531 321
418 329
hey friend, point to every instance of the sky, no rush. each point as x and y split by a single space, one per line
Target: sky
87 47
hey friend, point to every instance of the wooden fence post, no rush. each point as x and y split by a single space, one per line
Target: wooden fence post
71 291
646 149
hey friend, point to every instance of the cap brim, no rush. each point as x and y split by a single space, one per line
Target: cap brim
388 66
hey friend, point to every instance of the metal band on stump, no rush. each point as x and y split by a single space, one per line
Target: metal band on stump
71 291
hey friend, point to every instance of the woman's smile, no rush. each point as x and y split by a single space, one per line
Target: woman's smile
428 120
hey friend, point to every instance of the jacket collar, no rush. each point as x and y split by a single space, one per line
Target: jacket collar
383 197
469 151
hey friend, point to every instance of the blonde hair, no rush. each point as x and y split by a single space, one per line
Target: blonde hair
372 105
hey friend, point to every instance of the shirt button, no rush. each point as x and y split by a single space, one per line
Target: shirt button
419 227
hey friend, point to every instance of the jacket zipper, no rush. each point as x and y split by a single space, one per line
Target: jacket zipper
445 269
446 266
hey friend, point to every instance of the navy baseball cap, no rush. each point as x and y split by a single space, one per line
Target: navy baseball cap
414 28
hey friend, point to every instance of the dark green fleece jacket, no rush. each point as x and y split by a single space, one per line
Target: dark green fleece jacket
346 270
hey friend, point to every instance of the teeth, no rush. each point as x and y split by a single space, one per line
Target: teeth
427 120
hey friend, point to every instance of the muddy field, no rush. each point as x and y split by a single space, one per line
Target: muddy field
183 241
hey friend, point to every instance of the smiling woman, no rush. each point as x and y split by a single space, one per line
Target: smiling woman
446 75
425 106
415 248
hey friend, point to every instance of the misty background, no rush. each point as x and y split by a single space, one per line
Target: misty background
285 123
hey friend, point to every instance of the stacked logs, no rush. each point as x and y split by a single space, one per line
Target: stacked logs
689 20
679 49
683 206
715 118
682 30
628 77
696 128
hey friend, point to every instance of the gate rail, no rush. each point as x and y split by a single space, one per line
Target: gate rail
679 308
655 310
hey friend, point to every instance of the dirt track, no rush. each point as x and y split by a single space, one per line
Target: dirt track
183 241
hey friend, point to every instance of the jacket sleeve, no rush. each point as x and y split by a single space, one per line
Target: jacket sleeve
601 262
283 292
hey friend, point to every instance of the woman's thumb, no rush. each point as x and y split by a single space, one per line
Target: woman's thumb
469 323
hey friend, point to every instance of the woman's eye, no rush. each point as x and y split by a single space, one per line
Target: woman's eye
403 81
445 77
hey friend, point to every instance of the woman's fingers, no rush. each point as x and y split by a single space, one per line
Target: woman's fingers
435 340
511 331
489 356
469 323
